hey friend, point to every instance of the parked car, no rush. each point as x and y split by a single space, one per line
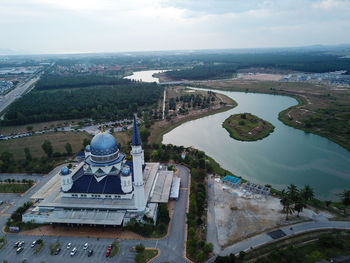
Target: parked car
74 250
33 244
90 252
108 252
16 244
58 250
19 250
69 245
21 244
86 245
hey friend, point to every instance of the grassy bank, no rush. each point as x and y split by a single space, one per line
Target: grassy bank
158 132
247 127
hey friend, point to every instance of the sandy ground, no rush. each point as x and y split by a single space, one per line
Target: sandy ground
238 216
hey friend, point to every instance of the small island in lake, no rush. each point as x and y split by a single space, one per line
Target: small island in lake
247 127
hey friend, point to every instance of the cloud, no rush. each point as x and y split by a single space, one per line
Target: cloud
128 25
331 4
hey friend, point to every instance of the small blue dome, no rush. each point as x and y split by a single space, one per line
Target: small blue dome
64 171
126 171
103 144
87 148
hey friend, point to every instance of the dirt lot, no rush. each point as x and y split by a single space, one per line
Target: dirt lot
238 215
260 76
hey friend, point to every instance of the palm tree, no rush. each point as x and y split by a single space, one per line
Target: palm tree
287 203
345 195
300 204
293 192
307 193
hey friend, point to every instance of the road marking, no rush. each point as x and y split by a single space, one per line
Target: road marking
7 207
5 215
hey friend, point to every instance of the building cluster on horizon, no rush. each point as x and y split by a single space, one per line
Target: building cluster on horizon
105 188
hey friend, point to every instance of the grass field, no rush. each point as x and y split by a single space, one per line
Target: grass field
322 109
247 127
57 139
14 187
8 130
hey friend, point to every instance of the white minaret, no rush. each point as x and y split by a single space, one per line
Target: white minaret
66 179
137 160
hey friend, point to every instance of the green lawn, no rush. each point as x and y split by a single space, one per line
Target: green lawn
14 187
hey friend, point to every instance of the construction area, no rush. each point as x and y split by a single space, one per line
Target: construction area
238 211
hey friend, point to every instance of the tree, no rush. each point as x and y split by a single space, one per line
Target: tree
29 128
27 154
7 157
86 142
68 147
47 148
293 192
144 134
345 199
287 203
140 248
307 193
300 204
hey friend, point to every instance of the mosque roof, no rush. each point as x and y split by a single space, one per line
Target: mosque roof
86 183
103 143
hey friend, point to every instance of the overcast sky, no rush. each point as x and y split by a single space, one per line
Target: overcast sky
68 26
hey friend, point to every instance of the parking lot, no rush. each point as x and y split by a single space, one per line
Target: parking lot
99 247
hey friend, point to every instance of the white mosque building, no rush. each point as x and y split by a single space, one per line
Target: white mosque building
105 188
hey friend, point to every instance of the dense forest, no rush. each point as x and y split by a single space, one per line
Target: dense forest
99 103
222 65
203 72
52 81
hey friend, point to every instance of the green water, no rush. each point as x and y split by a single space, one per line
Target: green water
287 156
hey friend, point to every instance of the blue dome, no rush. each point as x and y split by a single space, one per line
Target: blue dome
103 144
126 171
64 171
87 148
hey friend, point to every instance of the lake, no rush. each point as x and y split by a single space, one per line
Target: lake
287 156
145 75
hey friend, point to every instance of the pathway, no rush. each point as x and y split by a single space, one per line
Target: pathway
290 231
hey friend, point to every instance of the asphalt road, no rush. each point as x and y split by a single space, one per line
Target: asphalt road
171 247
264 238
17 92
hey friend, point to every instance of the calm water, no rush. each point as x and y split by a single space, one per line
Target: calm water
145 76
287 156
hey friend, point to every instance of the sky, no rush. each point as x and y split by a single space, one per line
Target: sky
76 26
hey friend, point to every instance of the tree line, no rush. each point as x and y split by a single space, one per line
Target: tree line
53 81
224 65
99 103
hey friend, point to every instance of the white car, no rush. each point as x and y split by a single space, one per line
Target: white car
86 245
69 245
74 250
33 244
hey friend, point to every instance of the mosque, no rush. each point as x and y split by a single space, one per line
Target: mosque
105 188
